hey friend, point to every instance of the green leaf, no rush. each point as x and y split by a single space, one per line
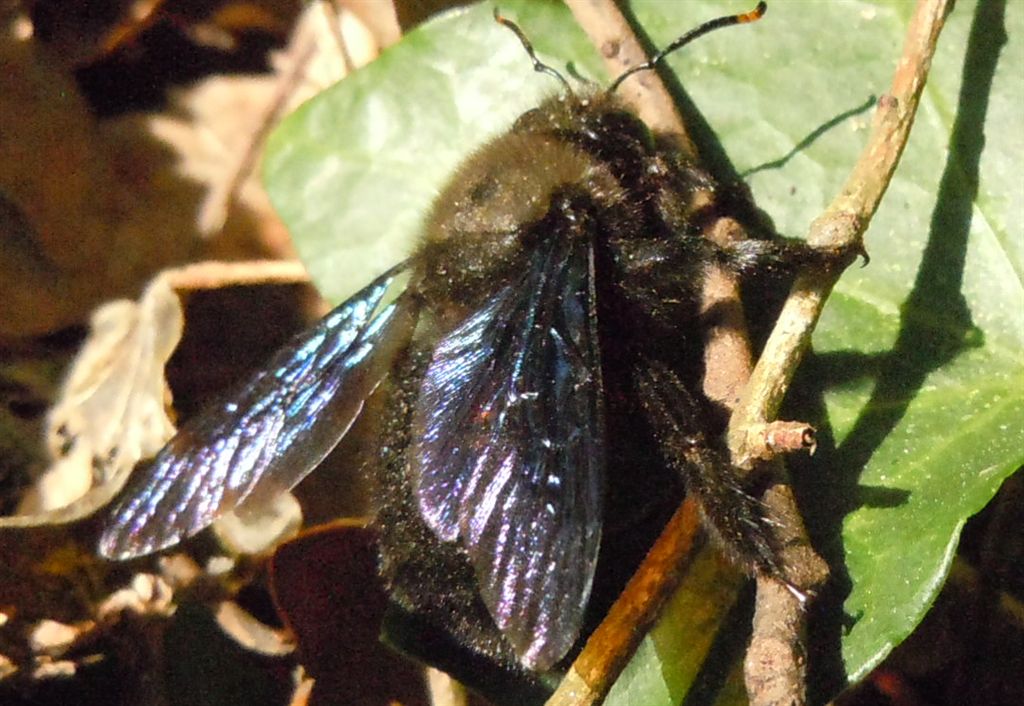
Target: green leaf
354 170
916 379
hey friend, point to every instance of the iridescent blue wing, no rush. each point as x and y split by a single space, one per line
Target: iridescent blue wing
267 434
509 459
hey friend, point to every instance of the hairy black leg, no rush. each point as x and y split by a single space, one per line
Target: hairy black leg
785 255
733 516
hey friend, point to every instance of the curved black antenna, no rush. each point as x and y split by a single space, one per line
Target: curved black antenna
538 65
709 26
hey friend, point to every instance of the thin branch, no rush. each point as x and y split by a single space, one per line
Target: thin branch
840 227
774 668
213 274
611 33
332 15
616 638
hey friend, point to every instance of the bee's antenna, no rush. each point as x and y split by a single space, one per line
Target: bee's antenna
538 65
709 26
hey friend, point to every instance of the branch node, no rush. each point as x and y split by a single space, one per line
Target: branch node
786 437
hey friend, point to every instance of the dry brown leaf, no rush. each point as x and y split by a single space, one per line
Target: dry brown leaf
83 34
54 638
410 13
46 668
378 17
57 206
192 168
337 36
7 667
179 570
29 383
245 16
303 691
147 594
312 61
112 409
78 33
89 211
444 690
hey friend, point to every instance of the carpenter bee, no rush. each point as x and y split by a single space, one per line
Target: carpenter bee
544 359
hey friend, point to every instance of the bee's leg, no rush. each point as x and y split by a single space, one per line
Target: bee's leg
785 255
731 514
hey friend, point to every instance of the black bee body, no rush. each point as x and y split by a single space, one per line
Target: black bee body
578 184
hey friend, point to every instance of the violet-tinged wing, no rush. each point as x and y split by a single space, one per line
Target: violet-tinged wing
509 459
267 434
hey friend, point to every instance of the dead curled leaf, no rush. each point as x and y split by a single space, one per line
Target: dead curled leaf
90 209
54 669
256 529
7 667
112 409
53 174
54 638
250 633
147 593
327 592
228 156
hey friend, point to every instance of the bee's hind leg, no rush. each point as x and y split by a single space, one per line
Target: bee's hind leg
732 514
786 256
